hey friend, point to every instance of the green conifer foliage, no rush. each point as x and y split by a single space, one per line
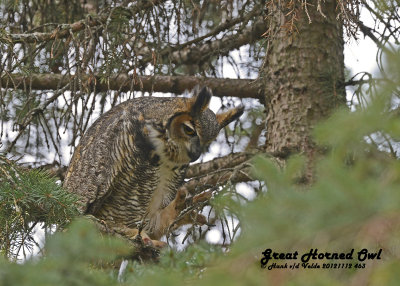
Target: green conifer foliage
29 197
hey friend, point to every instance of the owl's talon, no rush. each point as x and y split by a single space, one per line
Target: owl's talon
147 241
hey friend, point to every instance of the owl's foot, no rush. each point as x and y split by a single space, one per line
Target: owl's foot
193 216
170 213
154 243
143 238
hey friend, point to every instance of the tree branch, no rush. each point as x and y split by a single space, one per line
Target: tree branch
188 53
229 161
218 178
64 30
367 31
199 54
222 87
233 168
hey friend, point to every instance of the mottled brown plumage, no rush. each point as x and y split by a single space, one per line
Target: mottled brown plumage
132 160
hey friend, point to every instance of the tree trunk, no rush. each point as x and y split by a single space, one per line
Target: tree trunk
303 74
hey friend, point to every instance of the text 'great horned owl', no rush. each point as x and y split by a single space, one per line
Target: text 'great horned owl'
130 163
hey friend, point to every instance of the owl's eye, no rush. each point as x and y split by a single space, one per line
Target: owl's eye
188 130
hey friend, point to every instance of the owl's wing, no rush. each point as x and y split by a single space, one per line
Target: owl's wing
90 173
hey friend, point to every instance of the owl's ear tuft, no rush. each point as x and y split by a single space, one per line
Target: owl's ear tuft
200 101
228 116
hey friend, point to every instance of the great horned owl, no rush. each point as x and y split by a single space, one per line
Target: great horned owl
132 160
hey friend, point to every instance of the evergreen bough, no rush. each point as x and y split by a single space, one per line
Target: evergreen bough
29 198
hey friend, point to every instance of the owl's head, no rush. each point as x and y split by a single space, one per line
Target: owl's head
194 126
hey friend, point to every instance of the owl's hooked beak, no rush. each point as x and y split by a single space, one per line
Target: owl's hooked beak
194 150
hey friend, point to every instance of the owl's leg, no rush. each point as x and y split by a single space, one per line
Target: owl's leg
171 212
193 216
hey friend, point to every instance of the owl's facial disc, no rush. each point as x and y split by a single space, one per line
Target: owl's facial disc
183 143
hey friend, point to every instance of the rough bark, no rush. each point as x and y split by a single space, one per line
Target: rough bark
303 75
242 88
